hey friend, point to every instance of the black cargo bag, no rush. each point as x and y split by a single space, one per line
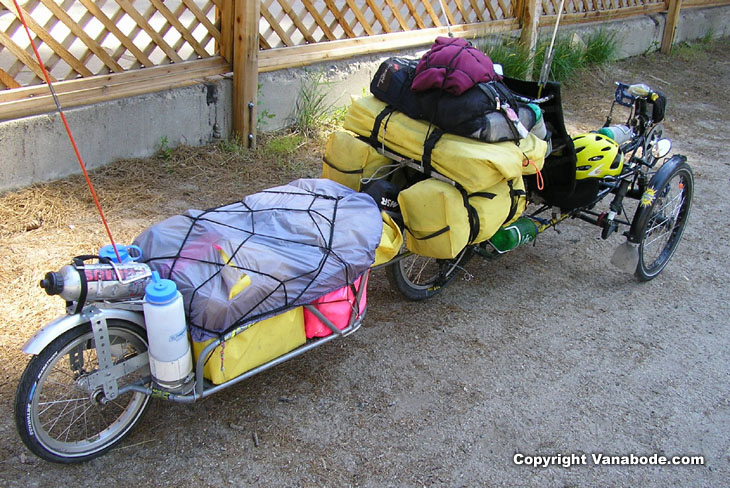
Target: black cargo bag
392 85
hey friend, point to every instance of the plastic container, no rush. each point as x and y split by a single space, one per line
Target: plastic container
171 360
522 231
100 281
619 133
126 253
539 128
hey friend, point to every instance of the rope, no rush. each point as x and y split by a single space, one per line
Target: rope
68 129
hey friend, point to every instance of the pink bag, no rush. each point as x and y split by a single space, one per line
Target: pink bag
454 66
337 307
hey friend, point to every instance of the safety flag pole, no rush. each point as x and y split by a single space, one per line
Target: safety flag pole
68 129
548 60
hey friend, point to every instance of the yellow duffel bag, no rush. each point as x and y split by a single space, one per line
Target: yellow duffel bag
499 205
347 160
474 164
436 220
438 223
258 344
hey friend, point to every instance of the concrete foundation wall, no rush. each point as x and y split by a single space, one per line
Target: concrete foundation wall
36 148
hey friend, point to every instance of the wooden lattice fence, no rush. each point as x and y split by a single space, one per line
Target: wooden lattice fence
103 49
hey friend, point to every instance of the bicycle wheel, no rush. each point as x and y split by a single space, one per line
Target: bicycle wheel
661 219
58 415
418 277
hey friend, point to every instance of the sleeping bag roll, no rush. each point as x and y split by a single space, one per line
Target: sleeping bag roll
347 160
474 164
436 220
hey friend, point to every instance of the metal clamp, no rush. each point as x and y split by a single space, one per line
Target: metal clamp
103 351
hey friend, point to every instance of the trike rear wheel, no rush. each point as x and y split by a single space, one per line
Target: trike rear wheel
662 216
418 277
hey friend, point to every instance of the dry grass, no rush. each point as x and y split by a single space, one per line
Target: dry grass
42 227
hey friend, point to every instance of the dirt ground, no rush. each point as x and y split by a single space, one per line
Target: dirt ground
547 351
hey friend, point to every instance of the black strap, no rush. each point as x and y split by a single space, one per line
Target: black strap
345 171
378 122
430 236
473 215
79 263
483 194
428 145
514 196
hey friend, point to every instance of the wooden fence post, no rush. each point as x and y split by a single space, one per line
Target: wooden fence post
670 26
529 20
226 16
245 69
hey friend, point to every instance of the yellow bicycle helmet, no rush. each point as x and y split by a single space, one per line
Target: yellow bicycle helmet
598 156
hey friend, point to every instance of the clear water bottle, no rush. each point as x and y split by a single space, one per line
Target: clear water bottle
171 360
522 231
619 133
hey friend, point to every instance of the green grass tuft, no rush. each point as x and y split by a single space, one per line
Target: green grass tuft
568 59
601 47
514 58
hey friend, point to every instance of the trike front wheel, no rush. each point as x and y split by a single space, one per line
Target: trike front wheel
661 218
59 417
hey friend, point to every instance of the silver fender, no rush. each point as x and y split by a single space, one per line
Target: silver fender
55 328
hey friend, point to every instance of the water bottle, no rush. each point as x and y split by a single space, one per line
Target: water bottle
619 133
539 128
522 231
171 360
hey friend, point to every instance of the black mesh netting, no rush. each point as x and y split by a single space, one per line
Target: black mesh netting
273 250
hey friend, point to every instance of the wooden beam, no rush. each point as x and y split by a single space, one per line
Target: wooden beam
292 57
670 26
529 20
226 20
215 64
601 16
245 69
23 102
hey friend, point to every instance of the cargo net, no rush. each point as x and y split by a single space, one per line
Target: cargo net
253 259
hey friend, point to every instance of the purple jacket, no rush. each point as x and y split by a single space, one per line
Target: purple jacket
453 65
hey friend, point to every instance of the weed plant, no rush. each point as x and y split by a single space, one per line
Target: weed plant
513 56
569 55
687 51
312 108
601 47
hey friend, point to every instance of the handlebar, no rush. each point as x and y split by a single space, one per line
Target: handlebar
626 95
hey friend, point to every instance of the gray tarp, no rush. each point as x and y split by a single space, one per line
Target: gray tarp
295 242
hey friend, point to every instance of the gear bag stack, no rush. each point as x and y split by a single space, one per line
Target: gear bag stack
483 188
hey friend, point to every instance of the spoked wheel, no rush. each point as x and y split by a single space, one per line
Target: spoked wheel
661 218
418 277
59 416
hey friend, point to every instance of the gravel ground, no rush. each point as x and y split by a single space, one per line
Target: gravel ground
547 351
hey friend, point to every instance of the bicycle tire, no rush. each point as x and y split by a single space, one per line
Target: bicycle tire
407 274
662 216
59 419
